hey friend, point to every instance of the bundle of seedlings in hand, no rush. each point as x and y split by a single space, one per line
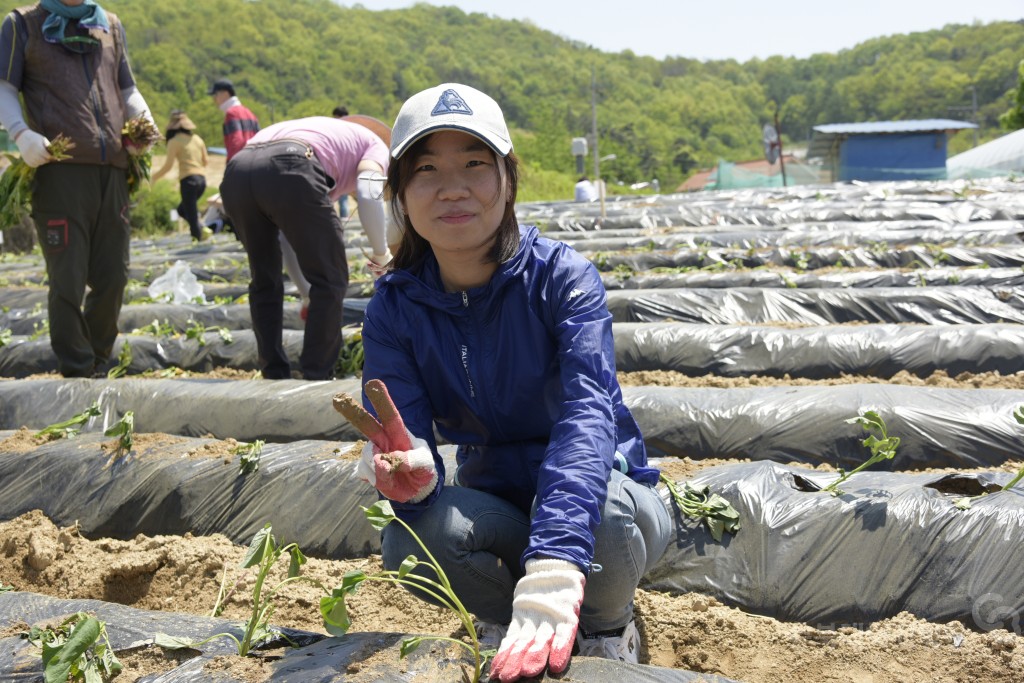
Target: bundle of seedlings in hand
138 136
718 514
263 553
76 650
350 359
69 428
16 181
335 613
883 448
965 502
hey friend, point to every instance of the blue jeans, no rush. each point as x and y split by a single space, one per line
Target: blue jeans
478 539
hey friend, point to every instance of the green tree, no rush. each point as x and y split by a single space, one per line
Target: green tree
1013 119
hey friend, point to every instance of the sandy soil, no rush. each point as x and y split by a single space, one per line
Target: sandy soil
694 632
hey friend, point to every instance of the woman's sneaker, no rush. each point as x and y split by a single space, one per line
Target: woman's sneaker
623 645
490 634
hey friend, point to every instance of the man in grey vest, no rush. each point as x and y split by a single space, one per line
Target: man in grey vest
69 61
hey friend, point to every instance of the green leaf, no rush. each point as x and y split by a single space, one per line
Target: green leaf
84 635
351 580
380 514
409 646
295 565
716 527
962 503
335 614
173 642
408 564
258 547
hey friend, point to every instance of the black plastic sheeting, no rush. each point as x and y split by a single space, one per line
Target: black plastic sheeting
23 357
303 488
318 659
819 352
947 201
775 278
846 233
277 411
693 349
938 427
933 306
182 316
890 543
815 258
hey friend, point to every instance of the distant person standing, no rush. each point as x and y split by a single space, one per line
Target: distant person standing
69 61
285 181
185 147
586 191
240 124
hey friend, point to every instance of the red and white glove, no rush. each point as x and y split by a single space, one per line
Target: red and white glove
395 462
406 476
545 616
34 148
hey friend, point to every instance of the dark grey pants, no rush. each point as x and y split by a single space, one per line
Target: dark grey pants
282 187
192 188
81 217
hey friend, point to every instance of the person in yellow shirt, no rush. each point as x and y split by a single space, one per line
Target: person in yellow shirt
186 148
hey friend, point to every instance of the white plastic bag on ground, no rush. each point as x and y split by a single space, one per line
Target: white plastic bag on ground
178 286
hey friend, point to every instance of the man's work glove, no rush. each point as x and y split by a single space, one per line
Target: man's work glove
395 462
545 615
33 148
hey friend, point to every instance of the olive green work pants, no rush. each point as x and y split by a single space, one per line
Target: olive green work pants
81 217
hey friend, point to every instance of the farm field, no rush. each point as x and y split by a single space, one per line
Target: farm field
752 327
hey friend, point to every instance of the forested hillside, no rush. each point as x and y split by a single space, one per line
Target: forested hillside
662 119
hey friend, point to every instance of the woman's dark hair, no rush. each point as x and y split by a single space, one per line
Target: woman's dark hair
171 132
413 247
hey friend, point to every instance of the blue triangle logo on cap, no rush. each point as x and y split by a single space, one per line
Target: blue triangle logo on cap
451 102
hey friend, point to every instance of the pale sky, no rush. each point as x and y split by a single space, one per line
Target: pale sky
737 29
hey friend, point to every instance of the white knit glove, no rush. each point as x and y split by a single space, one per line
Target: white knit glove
33 148
545 616
405 476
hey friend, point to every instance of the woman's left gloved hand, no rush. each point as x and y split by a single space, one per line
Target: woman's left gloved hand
545 616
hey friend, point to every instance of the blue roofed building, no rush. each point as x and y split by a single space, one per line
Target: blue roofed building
885 150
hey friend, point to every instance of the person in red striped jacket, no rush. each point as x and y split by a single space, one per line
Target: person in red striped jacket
240 123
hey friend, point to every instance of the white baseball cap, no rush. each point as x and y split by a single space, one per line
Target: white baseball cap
450 106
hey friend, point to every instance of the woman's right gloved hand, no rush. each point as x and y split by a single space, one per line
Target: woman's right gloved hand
393 461
405 476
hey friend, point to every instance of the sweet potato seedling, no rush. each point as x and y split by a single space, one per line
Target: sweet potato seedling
124 430
69 428
76 650
263 553
718 514
335 612
965 502
124 361
883 448
250 456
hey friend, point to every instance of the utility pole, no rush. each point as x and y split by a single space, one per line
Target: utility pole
974 112
593 132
